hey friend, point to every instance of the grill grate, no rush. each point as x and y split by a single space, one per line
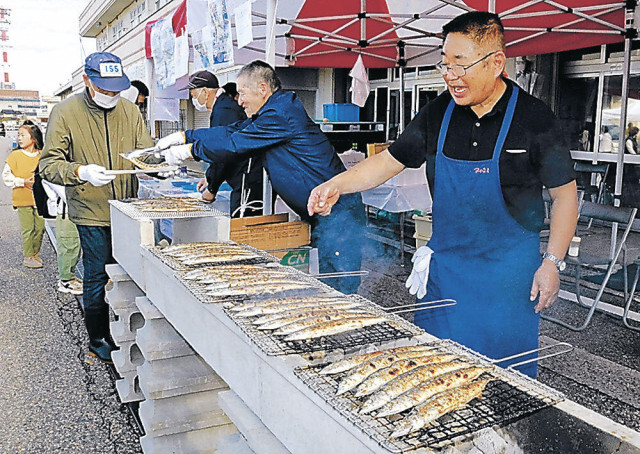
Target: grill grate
511 397
177 265
396 328
135 213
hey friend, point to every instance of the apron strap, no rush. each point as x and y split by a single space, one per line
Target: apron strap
506 123
445 126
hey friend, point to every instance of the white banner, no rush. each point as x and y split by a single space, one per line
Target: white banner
163 50
244 32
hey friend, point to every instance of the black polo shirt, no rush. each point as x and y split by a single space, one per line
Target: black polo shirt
534 154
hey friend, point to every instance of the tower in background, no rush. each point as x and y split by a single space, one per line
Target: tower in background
5 21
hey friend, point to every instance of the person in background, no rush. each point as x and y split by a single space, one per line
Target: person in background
67 240
206 94
606 141
18 174
6 144
296 154
631 142
85 136
489 149
231 89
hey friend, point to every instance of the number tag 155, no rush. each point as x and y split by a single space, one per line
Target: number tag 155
110 70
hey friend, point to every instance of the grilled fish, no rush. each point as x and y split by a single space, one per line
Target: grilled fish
201 260
317 319
361 372
285 307
407 382
438 406
272 287
349 363
427 390
297 315
384 376
335 327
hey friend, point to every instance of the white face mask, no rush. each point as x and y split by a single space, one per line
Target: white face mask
199 107
104 101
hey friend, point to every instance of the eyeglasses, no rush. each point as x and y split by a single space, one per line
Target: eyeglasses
459 70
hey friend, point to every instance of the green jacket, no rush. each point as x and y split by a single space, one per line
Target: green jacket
78 133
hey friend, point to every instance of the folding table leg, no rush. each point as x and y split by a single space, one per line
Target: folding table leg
625 315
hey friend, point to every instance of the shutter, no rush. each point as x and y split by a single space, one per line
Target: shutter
201 119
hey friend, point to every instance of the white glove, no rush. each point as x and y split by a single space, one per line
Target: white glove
177 138
417 282
95 174
168 174
176 154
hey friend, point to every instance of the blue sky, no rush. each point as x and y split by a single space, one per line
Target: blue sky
45 44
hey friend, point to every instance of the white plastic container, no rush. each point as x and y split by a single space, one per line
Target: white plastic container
423 225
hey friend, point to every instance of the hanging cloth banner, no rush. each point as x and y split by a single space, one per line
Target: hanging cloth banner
163 46
222 39
178 25
360 83
244 32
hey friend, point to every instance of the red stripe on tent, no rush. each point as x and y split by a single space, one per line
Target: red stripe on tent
555 41
343 59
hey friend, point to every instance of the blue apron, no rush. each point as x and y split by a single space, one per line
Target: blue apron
483 258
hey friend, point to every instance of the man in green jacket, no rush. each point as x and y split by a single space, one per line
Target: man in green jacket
85 135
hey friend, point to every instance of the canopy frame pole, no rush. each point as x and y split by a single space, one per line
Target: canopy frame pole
270 57
401 64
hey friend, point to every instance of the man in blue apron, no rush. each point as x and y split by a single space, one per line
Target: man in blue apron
489 148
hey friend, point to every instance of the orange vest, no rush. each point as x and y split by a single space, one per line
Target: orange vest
23 166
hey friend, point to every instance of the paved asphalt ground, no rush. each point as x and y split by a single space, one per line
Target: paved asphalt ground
54 398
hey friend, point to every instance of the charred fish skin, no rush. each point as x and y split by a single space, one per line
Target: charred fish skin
407 382
438 406
266 310
349 363
310 300
425 391
361 372
313 321
305 319
384 376
335 327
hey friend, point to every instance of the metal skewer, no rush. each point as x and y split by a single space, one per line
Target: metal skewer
422 306
340 274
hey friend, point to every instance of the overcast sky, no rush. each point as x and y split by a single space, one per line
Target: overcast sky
45 44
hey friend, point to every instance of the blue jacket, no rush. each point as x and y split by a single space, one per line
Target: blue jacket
296 154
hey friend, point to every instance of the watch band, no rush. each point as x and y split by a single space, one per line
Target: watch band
560 264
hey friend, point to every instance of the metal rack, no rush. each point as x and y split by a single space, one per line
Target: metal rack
510 397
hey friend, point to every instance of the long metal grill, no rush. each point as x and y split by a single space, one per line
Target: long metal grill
176 265
511 397
396 328
136 213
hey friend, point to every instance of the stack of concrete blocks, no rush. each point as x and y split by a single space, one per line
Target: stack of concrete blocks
180 412
121 298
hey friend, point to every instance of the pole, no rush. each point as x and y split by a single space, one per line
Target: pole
401 63
270 57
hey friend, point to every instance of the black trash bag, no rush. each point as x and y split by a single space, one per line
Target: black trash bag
41 198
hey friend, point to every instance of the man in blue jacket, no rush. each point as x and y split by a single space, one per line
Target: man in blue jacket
206 95
297 156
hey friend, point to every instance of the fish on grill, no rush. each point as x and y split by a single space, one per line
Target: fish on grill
282 307
406 382
203 259
336 327
299 315
349 363
427 390
384 376
362 371
317 319
438 406
272 287
251 281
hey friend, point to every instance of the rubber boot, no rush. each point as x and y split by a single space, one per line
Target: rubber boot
97 322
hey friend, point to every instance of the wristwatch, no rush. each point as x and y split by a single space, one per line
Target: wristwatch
560 264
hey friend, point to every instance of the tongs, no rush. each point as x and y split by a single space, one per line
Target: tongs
137 153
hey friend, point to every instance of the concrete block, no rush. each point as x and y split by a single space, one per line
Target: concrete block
127 358
117 273
176 376
197 441
234 444
123 294
258 436
147 308
128 322
182 414
157 339
128 388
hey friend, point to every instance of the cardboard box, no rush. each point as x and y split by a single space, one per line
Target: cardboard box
270 232
375 148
